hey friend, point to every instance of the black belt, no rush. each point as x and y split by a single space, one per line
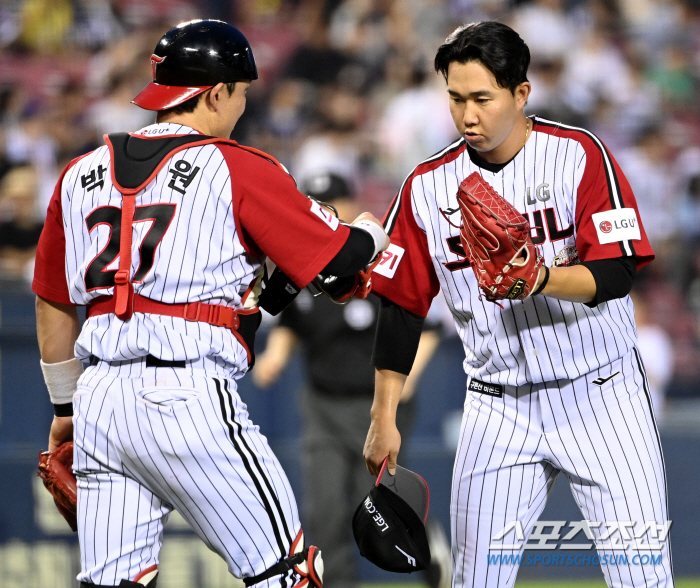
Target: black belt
150 362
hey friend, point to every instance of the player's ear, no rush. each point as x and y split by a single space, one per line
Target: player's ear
522 93
215 96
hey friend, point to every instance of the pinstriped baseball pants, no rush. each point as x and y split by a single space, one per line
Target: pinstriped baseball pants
603 438
149 440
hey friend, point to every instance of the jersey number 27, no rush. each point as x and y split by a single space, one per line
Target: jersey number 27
97 276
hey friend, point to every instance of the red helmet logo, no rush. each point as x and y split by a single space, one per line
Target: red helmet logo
606 226
155 60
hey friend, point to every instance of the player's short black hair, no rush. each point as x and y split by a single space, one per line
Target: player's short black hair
191 104
495 45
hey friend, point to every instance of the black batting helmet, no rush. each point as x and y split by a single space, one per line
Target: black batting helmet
193 57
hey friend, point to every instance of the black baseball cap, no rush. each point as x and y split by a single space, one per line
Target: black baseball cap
193 57
389 524
325 186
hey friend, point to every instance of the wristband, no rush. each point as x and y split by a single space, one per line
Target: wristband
544 281
62 379
63 410
377 233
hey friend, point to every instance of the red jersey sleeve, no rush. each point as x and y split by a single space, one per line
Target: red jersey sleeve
405 275
607 218
275 219
50 264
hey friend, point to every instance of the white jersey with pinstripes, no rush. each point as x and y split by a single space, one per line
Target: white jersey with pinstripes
188 245
558 180
202 259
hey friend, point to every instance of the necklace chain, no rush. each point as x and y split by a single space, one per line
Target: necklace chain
528 130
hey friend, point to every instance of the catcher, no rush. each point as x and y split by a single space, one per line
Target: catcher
532 232
163 235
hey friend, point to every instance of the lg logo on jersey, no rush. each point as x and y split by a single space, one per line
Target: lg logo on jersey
606 226
541 193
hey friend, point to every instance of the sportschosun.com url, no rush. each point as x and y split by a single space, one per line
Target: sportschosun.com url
570 559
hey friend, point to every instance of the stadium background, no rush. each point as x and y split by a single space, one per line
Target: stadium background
347 86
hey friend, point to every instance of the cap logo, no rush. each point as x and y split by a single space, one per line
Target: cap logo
155 60
411 560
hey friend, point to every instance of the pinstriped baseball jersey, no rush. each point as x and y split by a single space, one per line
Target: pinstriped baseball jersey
552 386
580 207
202 227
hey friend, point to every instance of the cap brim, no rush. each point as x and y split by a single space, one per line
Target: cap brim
159 97
408 485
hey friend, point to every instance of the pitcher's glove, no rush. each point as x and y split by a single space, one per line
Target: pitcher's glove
56 471
497 242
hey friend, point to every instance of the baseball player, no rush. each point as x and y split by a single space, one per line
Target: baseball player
555 382
163 234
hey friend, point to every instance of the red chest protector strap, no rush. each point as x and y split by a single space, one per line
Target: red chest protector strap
212 314
242 322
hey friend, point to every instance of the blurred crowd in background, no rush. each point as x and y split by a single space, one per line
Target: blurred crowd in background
347 86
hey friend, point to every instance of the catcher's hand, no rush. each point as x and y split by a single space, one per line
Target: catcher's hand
341 290
497 242
56 471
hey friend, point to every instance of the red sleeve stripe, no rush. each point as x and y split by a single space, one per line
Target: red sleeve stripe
449 153
614 191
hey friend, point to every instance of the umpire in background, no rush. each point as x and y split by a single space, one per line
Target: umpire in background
335 404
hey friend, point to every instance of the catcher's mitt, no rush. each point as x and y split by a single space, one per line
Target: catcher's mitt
497 242
56 471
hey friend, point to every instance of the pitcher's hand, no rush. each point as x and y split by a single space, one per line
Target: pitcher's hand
383 439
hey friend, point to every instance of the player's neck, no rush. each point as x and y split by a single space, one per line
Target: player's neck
509 148
181 119
193 120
